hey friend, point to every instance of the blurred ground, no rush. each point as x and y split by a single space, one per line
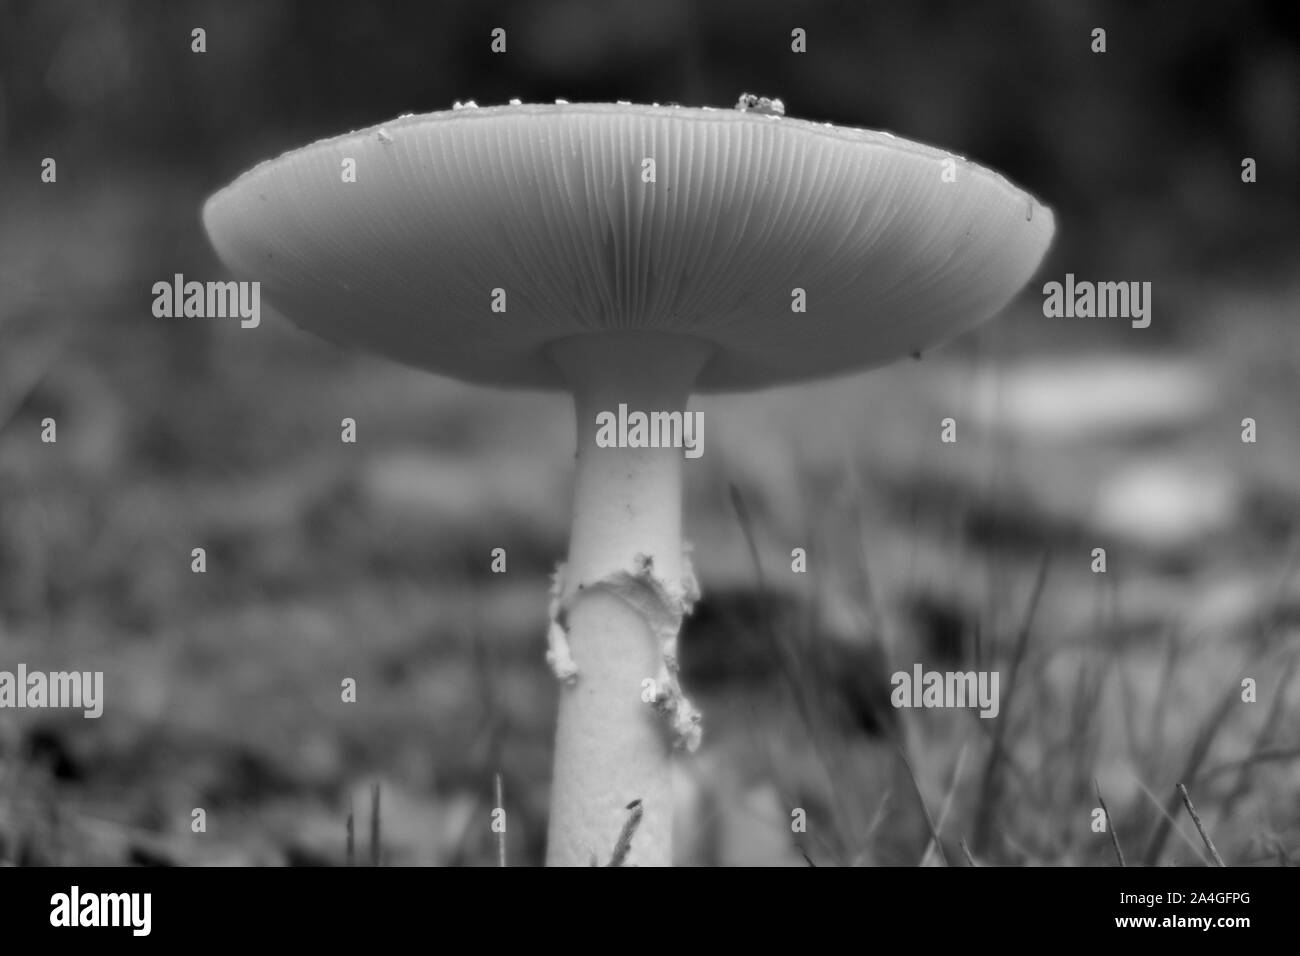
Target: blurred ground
370 561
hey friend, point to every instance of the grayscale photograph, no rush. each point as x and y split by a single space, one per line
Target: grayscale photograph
627 433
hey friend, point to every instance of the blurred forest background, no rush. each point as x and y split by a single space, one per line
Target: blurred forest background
370 561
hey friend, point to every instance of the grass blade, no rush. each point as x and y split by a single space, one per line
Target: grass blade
1187 802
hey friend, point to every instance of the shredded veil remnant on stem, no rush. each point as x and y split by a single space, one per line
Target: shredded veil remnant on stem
663 604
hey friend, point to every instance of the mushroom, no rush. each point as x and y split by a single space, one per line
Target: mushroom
641 253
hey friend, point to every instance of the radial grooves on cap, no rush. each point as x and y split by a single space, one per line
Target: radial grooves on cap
548 203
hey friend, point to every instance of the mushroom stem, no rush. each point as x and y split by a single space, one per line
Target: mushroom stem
612 745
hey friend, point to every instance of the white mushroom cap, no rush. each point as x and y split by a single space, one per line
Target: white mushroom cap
548 203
